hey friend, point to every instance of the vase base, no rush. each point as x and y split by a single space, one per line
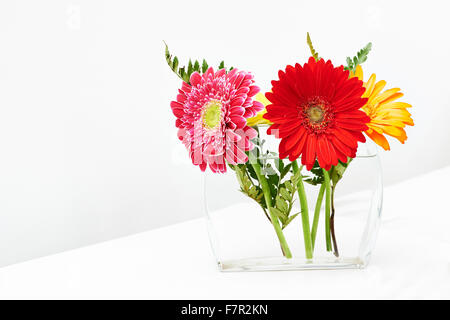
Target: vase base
283 264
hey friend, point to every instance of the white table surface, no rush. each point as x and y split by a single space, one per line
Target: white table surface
411 260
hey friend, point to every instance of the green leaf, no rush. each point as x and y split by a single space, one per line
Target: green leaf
285 170
281 204
251 171
190 67
204 66
247 186
349 61
184 73
317 177
278 212
289 186
222 65
360 57
285 194
197 66
295 178
311 47
289 220
337 172
175 63
273 183
186 77
168 56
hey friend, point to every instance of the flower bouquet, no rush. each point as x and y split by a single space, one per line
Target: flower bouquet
288 149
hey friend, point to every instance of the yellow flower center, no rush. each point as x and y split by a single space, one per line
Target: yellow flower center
211 114
315 114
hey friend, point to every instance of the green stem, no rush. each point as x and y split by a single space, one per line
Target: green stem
304 213
268 198
317 215
327 209
333 233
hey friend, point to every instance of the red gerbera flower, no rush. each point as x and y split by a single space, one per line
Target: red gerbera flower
315 112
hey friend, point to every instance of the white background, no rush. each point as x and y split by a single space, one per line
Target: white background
88 148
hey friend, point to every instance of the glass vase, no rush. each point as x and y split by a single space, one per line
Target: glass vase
243 237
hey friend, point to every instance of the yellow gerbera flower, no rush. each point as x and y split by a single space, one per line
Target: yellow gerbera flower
258 119
386 115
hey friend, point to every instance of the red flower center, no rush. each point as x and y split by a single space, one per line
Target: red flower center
316 114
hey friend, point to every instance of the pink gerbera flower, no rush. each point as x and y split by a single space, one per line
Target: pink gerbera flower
211 116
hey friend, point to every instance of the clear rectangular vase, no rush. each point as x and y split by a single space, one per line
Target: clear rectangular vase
243 237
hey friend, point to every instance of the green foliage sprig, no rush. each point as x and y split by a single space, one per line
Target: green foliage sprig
247 186
184 73
336 173
311 47
284 200
317 177
274 170
360 57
